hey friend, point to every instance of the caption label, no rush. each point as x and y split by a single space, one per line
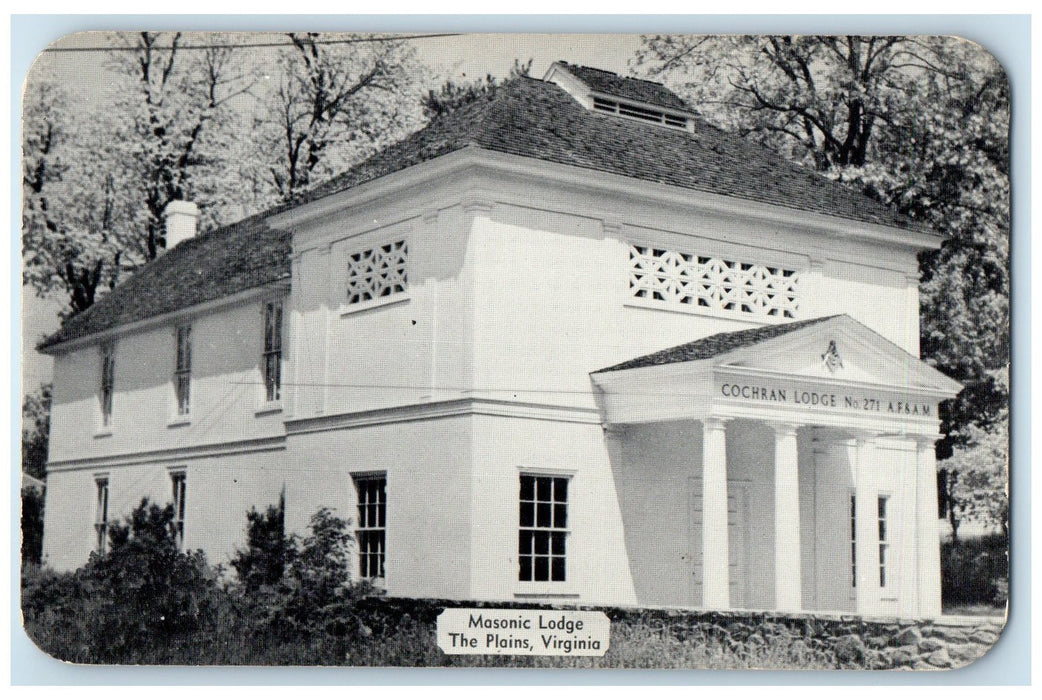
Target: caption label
523 632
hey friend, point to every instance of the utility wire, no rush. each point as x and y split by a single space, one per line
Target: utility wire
257 45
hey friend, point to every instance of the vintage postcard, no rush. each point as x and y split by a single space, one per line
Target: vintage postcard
435 349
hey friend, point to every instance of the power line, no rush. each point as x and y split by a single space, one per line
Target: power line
257 45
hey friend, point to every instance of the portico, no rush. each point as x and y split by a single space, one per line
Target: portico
806 451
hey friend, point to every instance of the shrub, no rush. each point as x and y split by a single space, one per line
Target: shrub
137 596
263 561
975 571
314 598
32 525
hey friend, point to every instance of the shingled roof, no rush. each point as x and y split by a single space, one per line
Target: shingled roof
211 266
537 119
524 117
714 345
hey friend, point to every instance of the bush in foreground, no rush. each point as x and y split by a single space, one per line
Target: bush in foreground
141 592
975 572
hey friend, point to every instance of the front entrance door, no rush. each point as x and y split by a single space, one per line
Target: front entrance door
737 524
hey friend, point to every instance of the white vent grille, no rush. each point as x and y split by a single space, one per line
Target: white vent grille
712 284
643 113
377 273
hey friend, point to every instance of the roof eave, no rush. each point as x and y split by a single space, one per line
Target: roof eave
55 348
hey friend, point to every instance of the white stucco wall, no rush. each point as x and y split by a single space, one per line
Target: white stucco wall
554 302
219 492
427 464
597 570
226 392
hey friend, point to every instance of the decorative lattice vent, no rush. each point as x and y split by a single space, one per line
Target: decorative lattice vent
377 273
712 284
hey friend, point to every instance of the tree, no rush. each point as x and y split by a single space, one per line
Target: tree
71 201
96 184
452 95
32 525
332 105
976 476
820 99
36 428
175 123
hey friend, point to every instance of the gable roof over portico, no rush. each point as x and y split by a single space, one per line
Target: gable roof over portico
849 374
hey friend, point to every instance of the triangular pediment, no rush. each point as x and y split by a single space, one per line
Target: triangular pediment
838 349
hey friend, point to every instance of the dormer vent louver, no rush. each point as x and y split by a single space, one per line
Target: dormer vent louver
601 104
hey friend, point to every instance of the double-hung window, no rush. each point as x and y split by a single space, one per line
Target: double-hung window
108 374
272 351
543 522
372 524
183 370
179 483
101 514
884 542
853 540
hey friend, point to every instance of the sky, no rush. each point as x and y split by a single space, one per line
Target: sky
459 57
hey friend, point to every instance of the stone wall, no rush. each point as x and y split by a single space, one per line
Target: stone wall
745 638
853 642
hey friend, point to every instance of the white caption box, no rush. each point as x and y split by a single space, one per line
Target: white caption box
523 632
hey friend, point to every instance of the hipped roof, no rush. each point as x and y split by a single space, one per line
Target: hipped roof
524 117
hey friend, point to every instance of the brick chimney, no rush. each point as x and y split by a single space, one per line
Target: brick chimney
181 221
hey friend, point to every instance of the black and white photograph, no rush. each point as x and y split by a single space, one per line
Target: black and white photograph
601 351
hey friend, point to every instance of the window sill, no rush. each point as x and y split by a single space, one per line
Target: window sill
268 407
179 421
545 589
103 433
535 595
348 309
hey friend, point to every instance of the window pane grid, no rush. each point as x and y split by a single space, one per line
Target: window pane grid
543 520
372 525
883 542
273 351
179 484
183 370
108 373
101 520
853 541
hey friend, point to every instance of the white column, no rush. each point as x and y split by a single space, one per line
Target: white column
787 580
715 572
866 553
928 544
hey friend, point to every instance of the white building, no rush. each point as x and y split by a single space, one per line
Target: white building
440 345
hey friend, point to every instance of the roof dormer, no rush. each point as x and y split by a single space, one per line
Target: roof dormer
631 98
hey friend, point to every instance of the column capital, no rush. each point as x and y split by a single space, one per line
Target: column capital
714 423
866 437
783 428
